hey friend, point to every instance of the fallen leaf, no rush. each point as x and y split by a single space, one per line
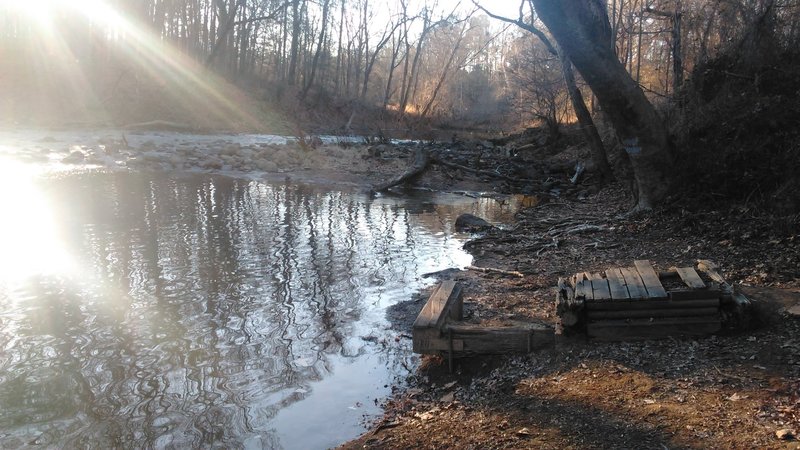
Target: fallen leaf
785 434
736 397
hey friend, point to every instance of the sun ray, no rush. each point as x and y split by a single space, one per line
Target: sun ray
187 83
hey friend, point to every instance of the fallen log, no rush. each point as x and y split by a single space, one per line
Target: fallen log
421 163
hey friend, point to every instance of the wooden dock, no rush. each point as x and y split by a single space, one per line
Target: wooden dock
639 303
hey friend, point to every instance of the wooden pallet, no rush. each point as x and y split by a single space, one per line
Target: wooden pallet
633 302
438 329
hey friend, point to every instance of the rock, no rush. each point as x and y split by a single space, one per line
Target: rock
472 223
785 434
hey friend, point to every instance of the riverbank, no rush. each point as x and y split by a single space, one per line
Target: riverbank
736 389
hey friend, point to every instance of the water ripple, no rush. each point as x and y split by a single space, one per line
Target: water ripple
211 311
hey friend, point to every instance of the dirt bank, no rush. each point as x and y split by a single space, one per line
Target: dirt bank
732 390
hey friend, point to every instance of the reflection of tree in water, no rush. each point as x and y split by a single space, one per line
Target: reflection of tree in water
205 303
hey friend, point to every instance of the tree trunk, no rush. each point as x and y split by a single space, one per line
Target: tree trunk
585 121
295 45
583 32
318 52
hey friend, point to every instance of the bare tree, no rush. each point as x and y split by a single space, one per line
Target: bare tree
583 32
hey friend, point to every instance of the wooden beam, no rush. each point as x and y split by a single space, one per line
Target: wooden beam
696 294
656 313
650 279
518 338
690 277
614 330
652 304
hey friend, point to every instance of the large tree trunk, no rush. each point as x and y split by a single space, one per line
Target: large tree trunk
582 30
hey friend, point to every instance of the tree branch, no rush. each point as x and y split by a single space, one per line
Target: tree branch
522 24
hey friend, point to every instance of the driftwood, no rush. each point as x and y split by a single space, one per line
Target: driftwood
487 173
512 273
421 163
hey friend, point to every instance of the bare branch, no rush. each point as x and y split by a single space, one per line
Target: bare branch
522 24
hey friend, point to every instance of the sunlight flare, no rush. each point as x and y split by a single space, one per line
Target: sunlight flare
28 234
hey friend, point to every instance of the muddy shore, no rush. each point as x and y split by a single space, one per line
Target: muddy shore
735 389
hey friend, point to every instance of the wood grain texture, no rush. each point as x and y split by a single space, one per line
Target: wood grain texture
650 279
690 277
616 284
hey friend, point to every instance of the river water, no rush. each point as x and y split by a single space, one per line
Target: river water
186 310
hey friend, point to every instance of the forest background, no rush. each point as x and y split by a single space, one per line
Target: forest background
723 74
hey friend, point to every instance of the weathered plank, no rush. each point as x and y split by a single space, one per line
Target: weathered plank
710 269
650 279
600 290
518 338
445 302
652 304
656 313
652 329
432 341
690 277
616 284
694 294
634 283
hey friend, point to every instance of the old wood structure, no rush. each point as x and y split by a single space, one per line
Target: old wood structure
439 329
639 303
619 303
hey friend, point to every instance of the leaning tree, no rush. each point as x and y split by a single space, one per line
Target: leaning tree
582 30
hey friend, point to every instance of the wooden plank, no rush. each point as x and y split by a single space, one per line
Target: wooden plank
694 294
650 279
600 290
634 283
613 330
445 302
517 338
616 284
652 304
710 269
655 313
690 277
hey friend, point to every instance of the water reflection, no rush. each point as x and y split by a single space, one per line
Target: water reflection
212 311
